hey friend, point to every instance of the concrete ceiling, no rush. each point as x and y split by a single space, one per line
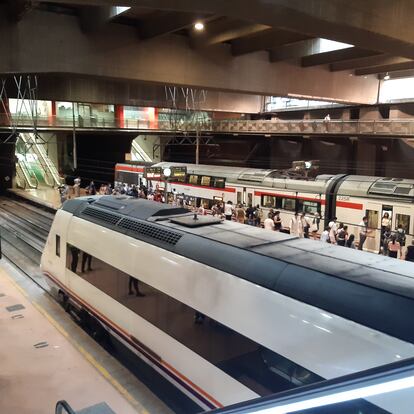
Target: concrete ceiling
249 46
284 28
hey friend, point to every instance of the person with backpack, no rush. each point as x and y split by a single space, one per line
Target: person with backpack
258 215
342 235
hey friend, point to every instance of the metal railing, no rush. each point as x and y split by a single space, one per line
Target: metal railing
404 128
63 406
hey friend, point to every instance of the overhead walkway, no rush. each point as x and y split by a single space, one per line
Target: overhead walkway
319 127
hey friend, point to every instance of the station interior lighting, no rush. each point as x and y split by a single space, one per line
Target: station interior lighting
387 76
199 26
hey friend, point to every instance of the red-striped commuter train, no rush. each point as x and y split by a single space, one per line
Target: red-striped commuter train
348 197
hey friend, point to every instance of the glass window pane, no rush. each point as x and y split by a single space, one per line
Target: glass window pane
310 207
268 201
219 182
372 219
205 180
403 221
289 204
193 179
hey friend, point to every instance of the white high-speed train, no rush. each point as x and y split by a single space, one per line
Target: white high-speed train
348 197
230 311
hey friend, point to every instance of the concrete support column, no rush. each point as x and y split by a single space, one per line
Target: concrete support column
120 116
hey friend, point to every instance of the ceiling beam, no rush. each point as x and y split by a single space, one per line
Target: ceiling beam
366 62
95 18
224 30
385 26
385 68
166 22
336 56
398 74
266 39
295 50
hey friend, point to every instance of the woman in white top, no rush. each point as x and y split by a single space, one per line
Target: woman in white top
294 225
228 210
269 224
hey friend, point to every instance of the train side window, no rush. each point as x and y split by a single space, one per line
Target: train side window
57 245
403 221
219 182
288 204
372 218
239 197
193 179
268 201
205 180
309 207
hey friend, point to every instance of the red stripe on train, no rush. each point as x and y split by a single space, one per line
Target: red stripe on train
129 168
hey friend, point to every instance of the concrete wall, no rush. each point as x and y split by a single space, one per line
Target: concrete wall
53 43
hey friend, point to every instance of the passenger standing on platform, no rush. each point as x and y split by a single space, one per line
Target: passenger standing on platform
409 256
294 225
306 225
277 220
269 224
108 190
250 215
314 228
394 247
240 214
92 188
76 186
342 235
258 216
63 192
363 232
333 228
350 242
325 235
386 237
228 210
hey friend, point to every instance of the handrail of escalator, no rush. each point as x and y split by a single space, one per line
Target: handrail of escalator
63 406
20 179
48 167
28 177
359 383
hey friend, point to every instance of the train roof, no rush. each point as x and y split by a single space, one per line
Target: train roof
372 290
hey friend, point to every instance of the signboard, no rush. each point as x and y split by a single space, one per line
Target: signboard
153 173
178 172
157 173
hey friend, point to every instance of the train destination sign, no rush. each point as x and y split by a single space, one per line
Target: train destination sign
153 173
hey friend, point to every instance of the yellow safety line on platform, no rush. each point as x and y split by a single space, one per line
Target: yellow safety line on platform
92 360
123 391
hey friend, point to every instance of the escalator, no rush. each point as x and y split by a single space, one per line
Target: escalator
43 167
25 178
34 167
137 152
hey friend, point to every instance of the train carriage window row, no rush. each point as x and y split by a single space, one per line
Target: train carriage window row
291 204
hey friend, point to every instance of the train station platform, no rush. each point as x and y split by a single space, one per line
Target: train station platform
43 196
46 357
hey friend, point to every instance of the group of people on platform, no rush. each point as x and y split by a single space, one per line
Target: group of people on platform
300 225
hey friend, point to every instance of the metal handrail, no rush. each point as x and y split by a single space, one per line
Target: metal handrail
28 177
64 405
400 127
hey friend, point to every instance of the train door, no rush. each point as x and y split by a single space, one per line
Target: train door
374 225
248 196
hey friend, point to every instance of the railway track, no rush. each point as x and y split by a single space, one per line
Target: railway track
24 229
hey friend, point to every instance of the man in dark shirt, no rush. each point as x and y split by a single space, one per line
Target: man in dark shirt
410 253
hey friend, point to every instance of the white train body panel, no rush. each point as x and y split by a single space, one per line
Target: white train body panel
324 343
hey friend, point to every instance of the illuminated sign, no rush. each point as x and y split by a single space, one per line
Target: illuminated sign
178 172
153 173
